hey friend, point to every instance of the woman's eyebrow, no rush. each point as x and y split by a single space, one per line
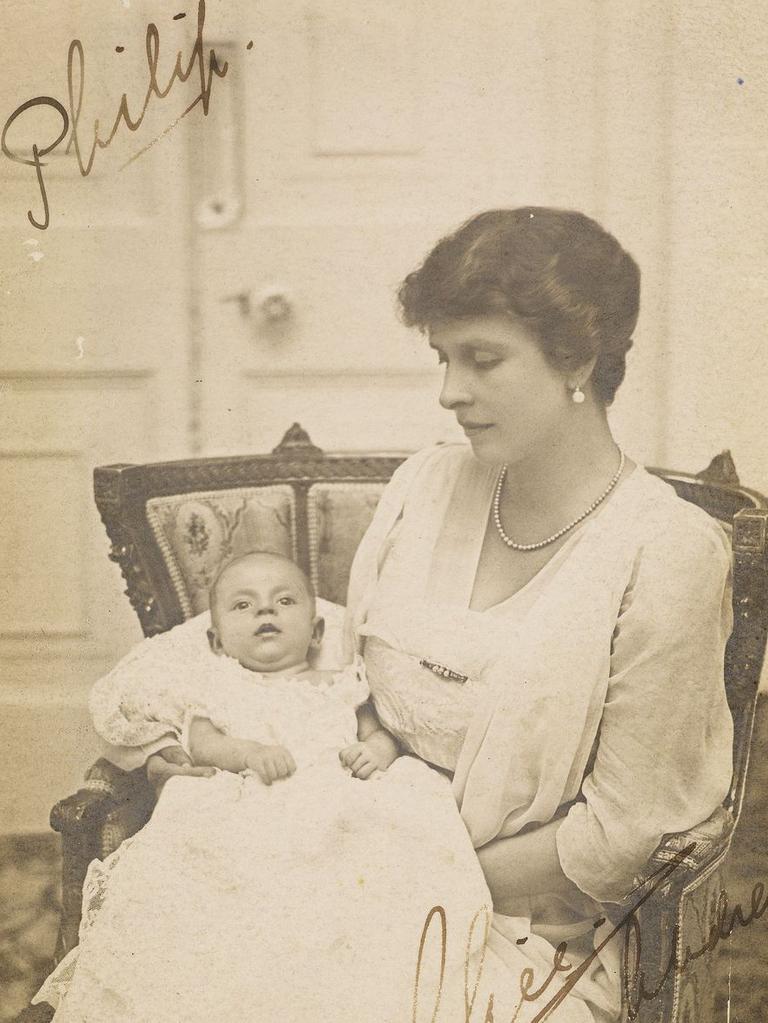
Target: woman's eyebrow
475 342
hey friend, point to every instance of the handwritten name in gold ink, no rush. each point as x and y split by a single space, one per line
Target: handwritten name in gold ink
724 922
636 986
470 984
86 144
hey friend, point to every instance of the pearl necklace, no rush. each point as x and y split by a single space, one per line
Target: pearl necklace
555 536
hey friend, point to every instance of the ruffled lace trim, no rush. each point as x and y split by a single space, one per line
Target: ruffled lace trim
145 695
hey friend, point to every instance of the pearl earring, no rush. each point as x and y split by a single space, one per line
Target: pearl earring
577 395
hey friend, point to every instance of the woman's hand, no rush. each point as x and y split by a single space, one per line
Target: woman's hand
375 753
269 762
169 761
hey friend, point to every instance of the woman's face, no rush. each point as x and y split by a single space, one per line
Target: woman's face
509 400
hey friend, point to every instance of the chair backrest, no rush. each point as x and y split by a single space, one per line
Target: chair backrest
172 524
744 513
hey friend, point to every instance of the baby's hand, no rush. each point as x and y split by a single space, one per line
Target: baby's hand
373 754
269 762
170 761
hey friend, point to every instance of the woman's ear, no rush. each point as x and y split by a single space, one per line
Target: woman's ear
318 631
580 375
215 642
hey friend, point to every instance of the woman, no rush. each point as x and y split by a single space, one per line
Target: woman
586 605
539 617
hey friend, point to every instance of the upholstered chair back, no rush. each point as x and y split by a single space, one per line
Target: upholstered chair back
197 532
172 525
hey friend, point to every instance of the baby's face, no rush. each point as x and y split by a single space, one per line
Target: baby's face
263 615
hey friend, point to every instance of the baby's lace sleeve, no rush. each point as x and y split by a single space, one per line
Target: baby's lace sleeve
145 696
135 714
351 685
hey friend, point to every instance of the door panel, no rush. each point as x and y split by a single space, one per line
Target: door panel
94 346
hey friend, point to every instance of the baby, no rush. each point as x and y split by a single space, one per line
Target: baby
263 615
242 894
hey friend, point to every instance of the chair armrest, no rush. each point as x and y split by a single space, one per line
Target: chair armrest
112 805
84 810
105 787
705 843
670 909
709 839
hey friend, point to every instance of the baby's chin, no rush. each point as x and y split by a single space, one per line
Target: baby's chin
270 667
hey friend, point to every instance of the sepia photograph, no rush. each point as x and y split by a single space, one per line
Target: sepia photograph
384 547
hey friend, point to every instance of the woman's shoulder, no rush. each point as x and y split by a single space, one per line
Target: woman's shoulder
433 467
670 528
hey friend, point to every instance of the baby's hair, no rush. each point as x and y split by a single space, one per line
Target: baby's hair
256 553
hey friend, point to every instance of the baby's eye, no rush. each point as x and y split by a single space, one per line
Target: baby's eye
241 605
286 601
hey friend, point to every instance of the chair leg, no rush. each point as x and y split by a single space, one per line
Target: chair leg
77 854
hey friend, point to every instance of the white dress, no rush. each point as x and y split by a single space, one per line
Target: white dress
594 694
301 901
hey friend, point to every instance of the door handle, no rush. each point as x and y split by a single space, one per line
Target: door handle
273 304
243 299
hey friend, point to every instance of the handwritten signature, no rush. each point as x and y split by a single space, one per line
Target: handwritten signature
636 988
85 151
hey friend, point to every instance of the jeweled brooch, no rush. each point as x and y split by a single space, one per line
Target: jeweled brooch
443 671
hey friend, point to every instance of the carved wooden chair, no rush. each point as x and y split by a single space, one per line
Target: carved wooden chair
170 525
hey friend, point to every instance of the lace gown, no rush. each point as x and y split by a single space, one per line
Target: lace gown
302 901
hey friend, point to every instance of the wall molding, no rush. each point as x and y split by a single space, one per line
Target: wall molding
388 375
91 379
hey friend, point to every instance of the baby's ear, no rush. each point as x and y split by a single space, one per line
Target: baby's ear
215 642
318 631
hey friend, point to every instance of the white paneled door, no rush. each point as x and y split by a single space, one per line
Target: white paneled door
318 150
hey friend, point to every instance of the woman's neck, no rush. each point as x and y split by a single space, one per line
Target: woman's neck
565 474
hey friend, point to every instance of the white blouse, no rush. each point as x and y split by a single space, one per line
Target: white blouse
616 644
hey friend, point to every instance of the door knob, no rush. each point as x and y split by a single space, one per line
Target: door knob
273 304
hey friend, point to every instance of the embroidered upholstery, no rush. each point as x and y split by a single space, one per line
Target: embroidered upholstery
197 532
338 515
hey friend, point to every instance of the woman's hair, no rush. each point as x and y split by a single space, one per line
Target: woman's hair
558 271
